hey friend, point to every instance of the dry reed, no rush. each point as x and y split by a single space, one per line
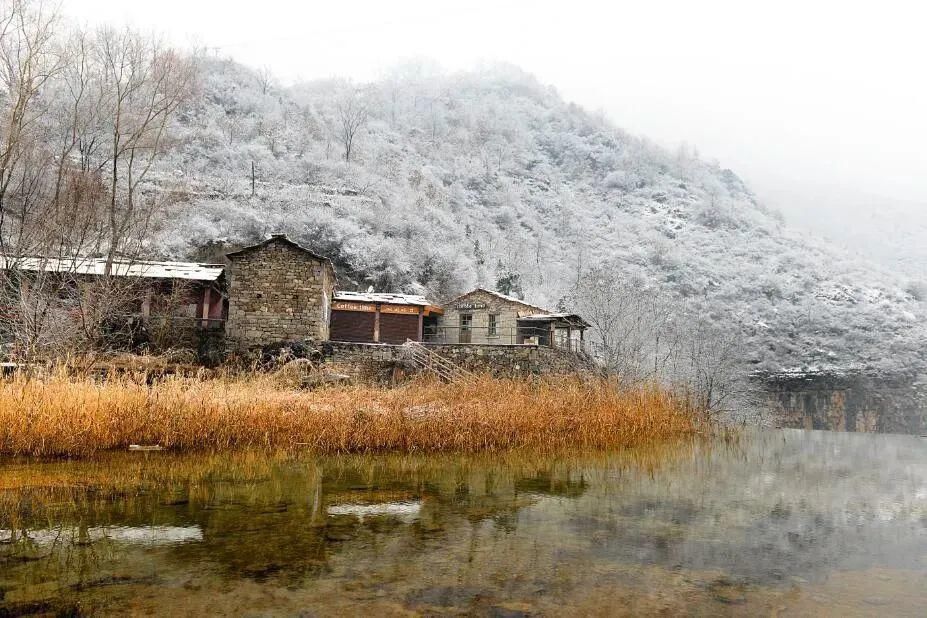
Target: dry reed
65 415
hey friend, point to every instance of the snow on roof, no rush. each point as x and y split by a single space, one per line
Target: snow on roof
546 317
190 271
549 317
382 297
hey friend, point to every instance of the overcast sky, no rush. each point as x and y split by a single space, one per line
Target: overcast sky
791 95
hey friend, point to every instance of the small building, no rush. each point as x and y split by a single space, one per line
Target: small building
488 317
278 291
370 317
168 289
128 301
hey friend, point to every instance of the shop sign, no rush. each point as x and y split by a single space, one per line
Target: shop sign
340 305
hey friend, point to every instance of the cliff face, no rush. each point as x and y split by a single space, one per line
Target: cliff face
849 402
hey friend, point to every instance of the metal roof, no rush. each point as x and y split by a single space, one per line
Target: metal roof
122 267
551 317
382 297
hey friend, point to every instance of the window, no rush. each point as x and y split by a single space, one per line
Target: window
493 330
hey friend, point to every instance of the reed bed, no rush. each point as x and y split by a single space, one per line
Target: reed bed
66 415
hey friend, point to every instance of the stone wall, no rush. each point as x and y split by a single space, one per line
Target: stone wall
847 402
513 360
369 362
366 360
277 291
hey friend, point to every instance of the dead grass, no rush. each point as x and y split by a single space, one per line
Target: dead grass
64 415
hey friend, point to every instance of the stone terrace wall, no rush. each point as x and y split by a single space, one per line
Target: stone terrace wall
365 360
891 404
277 292
512 360
362 361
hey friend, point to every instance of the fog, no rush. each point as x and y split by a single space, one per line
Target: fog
819 106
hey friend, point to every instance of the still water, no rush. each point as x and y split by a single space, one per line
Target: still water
783 522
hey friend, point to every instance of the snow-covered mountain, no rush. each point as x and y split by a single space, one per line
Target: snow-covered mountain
888 231
490 178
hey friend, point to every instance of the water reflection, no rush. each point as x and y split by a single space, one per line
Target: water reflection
806 521
404 511
135 535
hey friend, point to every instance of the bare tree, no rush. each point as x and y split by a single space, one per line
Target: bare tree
83 117
29 58
621 313
143 84
641 335
710 366
352 114
265 79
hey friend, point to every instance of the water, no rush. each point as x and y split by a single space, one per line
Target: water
782 522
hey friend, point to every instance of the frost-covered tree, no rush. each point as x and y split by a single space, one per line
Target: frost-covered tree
352 113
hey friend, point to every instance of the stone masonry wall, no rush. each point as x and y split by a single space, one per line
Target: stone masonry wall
510 360
893 404
277 292
363 360
368 362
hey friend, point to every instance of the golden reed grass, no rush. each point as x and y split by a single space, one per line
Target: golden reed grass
64 415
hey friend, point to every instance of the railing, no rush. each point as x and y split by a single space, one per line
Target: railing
428 360
505 335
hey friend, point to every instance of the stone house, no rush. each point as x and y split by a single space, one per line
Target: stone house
278 291
487 317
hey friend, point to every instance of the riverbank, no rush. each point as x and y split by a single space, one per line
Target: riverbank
65 415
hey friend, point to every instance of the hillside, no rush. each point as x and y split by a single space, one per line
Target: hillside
888 231
490 178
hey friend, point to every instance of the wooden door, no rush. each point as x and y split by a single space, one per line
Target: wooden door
466 327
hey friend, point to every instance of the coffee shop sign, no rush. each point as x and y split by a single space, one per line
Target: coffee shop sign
471 305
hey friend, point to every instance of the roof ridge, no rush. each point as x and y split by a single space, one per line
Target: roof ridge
280 238
498 295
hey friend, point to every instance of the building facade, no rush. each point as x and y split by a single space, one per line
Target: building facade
371 317
486 317
278 291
